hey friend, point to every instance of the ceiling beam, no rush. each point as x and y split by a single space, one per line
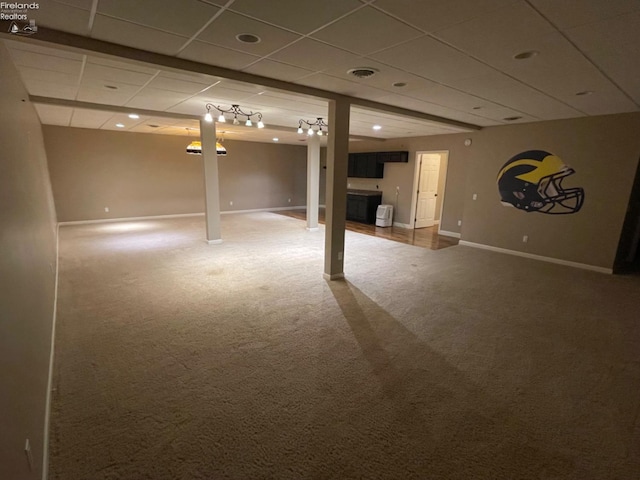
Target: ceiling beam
101 107
84 45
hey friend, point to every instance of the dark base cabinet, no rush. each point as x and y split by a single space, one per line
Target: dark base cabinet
363 205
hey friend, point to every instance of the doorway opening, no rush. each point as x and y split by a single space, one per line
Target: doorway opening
429 184
628 254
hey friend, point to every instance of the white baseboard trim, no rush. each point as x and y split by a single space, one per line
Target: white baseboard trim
217 241
47 408
335 276
448 234
402 225
272 209
177 215
542 258
130 219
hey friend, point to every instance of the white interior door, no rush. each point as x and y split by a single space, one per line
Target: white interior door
427 190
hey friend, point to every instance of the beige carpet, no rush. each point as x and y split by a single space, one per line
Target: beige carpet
181 360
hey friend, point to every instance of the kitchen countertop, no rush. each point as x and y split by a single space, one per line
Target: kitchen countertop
366 193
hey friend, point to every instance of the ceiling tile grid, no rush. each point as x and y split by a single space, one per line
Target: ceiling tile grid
455 57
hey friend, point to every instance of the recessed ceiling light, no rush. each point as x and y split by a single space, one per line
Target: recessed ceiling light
585 92
248 38
377 127
276 139
111 87
526 55
120 125
134 116
399 84
511 119
362 72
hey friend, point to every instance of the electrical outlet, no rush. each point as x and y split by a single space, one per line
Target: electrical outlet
348 185
525 238
459 223
231 203
106 209
475 196
339 255
289 200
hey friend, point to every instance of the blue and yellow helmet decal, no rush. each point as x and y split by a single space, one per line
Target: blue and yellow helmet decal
532 181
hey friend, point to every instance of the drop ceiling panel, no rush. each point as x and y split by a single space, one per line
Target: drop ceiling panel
384 78
122 119
122 65
623 72
267 101
156 99
95 94
433 60
366 30
281 71
54 115
226 27
182 18
346 87
219 56
568 14
608 35
48 89
503 31
100 75
536 104
23 58
61 17
557 59
137 36
316 56
302 16
89 118
163 82
433 15
48 76
446 96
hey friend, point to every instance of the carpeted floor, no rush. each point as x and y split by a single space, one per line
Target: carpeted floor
181 360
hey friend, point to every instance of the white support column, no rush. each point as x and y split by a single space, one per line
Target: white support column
336 196
313 182
211 181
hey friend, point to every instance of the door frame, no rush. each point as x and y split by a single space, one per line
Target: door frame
442 176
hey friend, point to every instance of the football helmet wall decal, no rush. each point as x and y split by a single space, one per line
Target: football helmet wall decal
532 181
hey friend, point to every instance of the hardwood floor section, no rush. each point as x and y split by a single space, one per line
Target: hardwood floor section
421 237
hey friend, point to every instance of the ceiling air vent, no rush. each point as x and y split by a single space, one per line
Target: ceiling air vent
362 72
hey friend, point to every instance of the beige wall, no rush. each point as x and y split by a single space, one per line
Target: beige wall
136 174
603 150
27 278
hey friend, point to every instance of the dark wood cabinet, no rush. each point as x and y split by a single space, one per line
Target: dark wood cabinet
365 165
371 164
392 157
362 206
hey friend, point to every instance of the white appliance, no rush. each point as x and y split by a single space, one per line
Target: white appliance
384 216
